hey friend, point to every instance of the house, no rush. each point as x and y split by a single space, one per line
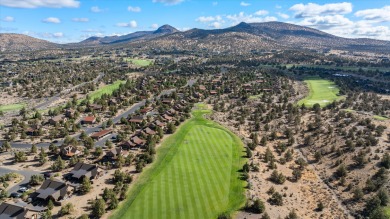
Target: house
69 151
171 112
8 211
167 118
32 131
149 131
146 109
160 124
52 189
112 102
115 152
202 87
167 101
213 92
101 134
137 119
81 170
138 141
96 107
57 119
89 120
127 145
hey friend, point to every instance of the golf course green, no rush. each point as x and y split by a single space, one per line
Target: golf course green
11 107
139 62
196 175
322 92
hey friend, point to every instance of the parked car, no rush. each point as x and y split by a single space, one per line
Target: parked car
15 195
23 189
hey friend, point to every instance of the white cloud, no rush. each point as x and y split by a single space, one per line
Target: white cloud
132 24
245 4
215 3
134 9
154 26
96 9
376 14
284 16
40 3
8 19
81 19
261 12
312 9
251 18
207 19
326 22
215 24
52 20
58 35
169 2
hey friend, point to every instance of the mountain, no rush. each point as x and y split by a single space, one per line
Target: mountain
242 38
11 42
245 37
140 35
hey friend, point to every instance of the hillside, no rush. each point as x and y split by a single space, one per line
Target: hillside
242 38
245 37
140 35
10 42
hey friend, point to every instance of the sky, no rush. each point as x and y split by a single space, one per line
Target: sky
65 21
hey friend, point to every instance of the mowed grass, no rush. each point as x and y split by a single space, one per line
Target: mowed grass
139 62
196 175
322 92
107 89
381 118
11 107
387 210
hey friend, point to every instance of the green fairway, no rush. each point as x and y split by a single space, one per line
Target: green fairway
195 175
107 89
322 91
140 62
387 210
381 118
11 107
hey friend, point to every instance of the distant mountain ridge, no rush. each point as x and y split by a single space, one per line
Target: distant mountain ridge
140 35
243 37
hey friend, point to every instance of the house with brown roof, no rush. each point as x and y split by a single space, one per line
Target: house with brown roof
69 151
8 211
159 123
57 119
81 170
146 109
171 112
167 101
137 119
115 152
138 141
202 87
96 107
89 120
101 134
149 131
167 118
213 92
127 145
52 189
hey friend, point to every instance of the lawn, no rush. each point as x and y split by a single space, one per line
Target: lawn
139 62
107 89
11 107
387 210
195 175
381 118
322 91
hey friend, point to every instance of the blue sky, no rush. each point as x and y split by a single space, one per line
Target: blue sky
66 21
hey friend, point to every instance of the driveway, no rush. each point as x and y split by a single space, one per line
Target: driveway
25 173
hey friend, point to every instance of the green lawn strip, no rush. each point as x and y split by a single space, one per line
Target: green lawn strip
11 107
321 91
188 178
107 89
381 118
139 62
387 210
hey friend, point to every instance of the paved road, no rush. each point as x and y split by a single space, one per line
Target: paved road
56 97
25 173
